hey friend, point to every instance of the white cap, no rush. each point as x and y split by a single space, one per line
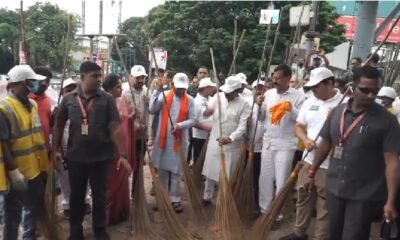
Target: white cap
242 77
206 82
232 83
259 83
138 70
68 82
20 73
181 80
318 75
387 92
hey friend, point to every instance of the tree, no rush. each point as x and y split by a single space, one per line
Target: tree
46 27
188 29
45 31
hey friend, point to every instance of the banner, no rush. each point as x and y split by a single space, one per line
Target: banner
161 58
350 23
267 14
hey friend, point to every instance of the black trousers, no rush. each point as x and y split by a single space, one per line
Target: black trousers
197 146
79 175
349 219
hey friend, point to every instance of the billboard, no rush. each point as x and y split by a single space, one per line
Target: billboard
350 22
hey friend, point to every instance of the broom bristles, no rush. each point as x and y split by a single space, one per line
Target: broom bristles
226 213
236 178
173 226
194 195
48 222
198 167
245 196
142 227
263 225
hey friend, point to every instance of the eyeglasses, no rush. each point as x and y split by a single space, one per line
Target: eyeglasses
368 90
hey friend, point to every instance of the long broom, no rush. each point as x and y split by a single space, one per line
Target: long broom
142 227
263 225
244 193
48 220
227 216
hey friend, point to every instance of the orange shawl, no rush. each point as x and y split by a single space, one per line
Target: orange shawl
182 115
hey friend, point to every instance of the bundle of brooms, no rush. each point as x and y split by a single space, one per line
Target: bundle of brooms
227 216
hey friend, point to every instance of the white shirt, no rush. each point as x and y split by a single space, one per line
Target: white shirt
234 115
200 104
313 115
140 106
247 95
282 136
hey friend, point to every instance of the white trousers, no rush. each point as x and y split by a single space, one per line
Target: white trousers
171 183
275 169
209 189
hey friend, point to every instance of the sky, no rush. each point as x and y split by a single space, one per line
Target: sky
130 8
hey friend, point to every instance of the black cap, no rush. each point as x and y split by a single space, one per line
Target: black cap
89 66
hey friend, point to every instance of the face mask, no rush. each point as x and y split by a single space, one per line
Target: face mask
34 88
301 64
379 101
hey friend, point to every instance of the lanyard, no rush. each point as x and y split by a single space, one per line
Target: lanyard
84 110
345 134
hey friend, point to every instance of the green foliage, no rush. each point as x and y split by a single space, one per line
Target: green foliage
188 29
45 28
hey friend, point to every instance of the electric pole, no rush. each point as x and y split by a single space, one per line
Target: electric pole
83 16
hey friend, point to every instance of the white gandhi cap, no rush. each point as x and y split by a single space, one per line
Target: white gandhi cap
232 83
181 80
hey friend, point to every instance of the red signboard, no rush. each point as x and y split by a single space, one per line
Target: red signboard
350 22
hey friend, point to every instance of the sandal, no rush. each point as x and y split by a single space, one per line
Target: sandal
177 206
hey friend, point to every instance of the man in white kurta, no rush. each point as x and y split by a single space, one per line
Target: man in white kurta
234 114
166 158
280 141
204 124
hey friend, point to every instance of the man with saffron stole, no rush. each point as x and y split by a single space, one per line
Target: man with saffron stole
170 140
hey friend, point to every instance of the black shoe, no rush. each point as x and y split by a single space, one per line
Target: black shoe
206 203
101 235
294 236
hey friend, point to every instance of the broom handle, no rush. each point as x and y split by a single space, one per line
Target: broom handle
236 52
65 57
384 40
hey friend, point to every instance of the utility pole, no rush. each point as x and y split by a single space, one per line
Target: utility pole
311 34
83 16
119 15
101 18
364 37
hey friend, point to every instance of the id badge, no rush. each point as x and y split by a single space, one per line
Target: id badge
85 129
338 152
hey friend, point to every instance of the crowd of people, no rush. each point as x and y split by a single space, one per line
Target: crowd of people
346 130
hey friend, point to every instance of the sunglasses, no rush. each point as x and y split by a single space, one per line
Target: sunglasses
368 90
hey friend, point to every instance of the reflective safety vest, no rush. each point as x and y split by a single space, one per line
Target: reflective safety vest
3 176
27 142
